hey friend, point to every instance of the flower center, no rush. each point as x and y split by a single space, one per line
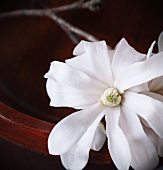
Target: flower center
110 97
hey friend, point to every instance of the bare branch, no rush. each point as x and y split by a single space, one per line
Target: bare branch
71 28
22 13
42 12
75 5
67 27
73 36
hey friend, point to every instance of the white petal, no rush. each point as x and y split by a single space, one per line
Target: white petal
111 54
156 84
70 129
148 108
66 96
149 54
160 42
139 88
124 56
118 144
152 136
157 141
140 73
143 152
99 138
79 49
94 60
65 75
77 156
155 96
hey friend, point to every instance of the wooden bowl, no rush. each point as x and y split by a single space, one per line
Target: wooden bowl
28 45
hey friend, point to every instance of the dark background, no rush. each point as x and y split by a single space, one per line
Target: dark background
29 44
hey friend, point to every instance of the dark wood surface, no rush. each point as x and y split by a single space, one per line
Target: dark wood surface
29 44
31 134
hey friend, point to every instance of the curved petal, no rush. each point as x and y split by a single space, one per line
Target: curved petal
156 84
152 136
143 152
139 88
99 138
65 75
155 96
70 129
118 144
147 107
94 60
124 56
160 42
77 156
66 96
155 139
140 73
149 54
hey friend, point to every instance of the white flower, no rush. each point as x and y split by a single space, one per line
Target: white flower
108 83
156 92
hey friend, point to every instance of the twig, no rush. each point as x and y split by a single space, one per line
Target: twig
75 5
67 27
74 37
22 13
42 12
71 28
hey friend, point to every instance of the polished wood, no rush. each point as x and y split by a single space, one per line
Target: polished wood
24 130
32 134
29 44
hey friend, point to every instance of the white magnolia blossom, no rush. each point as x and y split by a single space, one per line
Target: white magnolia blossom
111 84
156 92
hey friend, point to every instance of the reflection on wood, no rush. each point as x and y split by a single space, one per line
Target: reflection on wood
32 133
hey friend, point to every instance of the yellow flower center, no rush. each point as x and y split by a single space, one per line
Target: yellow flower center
110 97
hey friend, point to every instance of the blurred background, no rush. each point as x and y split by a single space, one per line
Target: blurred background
29 44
